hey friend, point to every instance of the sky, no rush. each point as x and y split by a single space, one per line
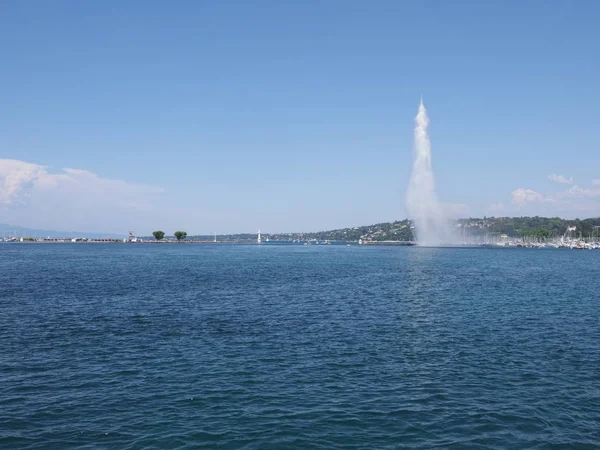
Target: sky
230 116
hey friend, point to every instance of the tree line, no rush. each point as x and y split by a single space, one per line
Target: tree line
540 227
159 235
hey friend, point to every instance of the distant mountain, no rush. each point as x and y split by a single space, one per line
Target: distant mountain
13 230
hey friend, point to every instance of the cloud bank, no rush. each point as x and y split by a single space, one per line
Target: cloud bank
70 199
576 201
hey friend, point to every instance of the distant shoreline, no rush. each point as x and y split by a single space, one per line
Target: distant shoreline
580 246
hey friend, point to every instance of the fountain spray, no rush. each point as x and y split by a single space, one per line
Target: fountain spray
423 206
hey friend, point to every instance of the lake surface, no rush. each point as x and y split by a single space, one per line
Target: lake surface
271 347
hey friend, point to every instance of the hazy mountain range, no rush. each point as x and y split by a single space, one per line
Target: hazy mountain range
14 230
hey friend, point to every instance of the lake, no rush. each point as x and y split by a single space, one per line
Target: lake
133 346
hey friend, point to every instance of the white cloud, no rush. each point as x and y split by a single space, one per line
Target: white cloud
596 182
579 192
15 178
560 179
32 195
522 196
571 202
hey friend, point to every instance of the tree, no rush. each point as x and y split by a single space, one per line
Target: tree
538 233
180 235
158 235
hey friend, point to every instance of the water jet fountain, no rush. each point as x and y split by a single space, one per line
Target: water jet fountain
432 227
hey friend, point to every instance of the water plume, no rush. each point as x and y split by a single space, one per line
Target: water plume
427 214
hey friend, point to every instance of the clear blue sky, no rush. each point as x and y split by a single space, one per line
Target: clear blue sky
230 116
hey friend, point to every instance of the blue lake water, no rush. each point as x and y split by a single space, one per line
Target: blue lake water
270 347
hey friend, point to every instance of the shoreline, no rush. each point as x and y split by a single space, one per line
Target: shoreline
566 246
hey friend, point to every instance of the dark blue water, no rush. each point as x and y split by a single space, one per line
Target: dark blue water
266 347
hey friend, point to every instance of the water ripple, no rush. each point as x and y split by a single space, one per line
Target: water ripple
184 347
